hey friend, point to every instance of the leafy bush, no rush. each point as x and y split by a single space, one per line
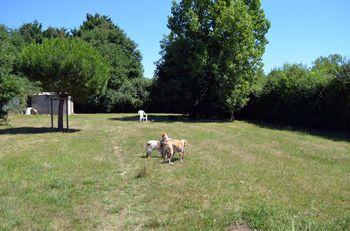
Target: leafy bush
294 95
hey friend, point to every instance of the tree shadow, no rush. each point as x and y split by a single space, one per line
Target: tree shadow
328 134
171 119
33 130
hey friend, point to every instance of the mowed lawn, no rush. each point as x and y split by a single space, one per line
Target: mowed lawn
97 178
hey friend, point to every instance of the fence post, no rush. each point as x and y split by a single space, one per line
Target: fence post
51 112
67 114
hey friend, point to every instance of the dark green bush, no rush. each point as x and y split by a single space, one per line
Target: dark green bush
294 95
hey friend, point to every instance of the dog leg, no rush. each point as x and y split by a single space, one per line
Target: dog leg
170 157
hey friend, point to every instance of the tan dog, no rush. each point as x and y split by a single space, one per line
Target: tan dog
170 147
165 137
162 148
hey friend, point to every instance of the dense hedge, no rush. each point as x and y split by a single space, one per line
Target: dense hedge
295 95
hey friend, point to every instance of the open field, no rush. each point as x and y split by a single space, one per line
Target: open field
97 178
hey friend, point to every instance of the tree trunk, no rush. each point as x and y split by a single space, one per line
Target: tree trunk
232 116
60 114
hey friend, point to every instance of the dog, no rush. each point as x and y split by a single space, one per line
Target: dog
152 145
156 145
170 147
164 139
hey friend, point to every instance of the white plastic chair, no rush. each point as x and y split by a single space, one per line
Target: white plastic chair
31 111
143 115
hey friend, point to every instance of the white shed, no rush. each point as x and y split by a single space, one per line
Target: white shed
42 103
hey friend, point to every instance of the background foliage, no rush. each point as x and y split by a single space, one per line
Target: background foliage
211 56
126 89
311 97
211 65
14 87
65 66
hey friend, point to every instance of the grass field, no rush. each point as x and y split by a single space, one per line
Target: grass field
96 178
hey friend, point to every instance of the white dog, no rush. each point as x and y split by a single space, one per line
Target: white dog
155 144
152 145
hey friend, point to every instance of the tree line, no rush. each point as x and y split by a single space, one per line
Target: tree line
210 65
294 94
96 63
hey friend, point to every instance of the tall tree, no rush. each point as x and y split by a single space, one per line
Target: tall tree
12 85
211 56
67 67
52 32
330 65
32 32
122 54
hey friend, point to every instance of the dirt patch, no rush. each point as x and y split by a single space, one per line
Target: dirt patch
240 226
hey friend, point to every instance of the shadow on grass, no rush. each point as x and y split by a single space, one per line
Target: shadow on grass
171 119
331 135
32 130
328 134
175 159
152 157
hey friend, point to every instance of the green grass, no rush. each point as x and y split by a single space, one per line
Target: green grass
97 179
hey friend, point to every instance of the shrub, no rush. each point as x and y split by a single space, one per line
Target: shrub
294 95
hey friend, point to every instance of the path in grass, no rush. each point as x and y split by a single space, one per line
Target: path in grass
234 172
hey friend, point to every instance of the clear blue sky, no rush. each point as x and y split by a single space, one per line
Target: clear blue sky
301 30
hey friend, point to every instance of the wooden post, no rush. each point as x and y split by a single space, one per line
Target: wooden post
51 111
67 114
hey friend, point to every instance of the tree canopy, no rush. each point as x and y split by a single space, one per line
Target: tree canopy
31 32
13 85
210 58
67 67
330 65
124 59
